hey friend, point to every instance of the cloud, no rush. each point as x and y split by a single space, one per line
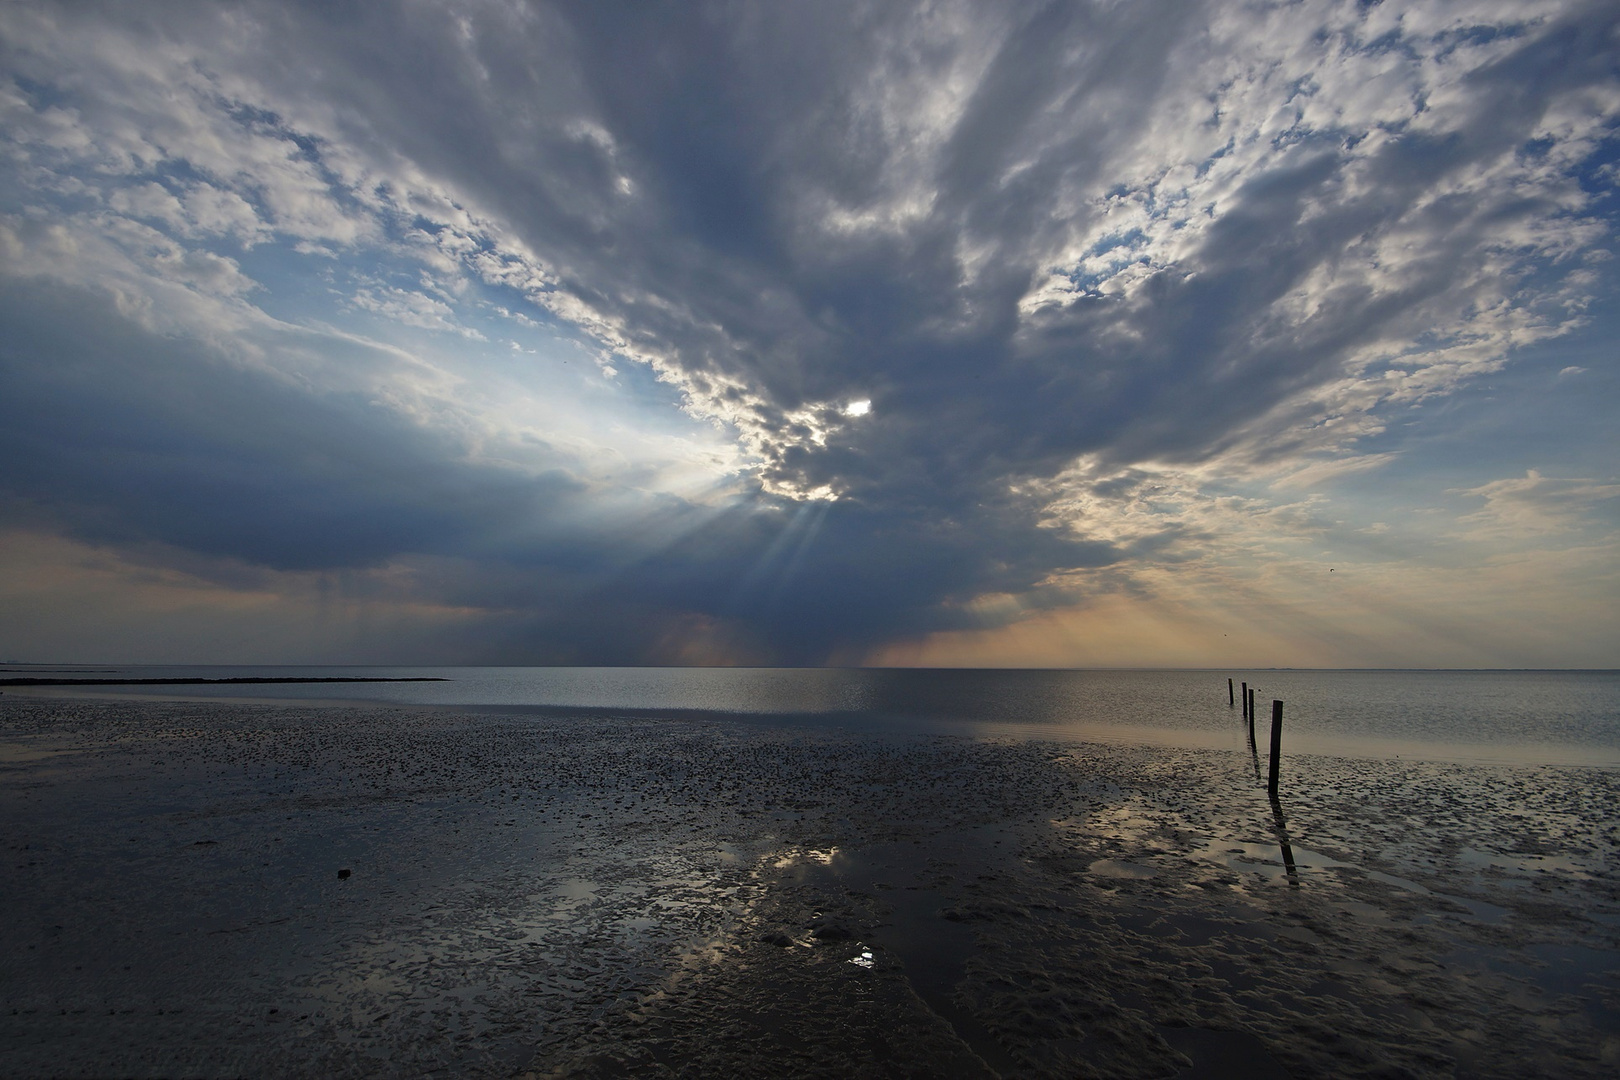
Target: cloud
984 310
69 599
1538 507
1510 611
410 308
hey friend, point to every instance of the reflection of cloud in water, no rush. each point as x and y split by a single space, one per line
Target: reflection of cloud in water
1119 868
819 858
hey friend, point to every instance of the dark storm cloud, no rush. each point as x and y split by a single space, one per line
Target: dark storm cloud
1029 234
739 127
127 438
131 436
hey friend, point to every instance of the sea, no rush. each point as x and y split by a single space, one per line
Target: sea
1500 717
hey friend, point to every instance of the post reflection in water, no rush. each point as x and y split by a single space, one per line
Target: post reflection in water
1282 836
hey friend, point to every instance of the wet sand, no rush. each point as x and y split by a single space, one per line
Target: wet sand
652 895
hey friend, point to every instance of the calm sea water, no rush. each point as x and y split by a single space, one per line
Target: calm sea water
1558 717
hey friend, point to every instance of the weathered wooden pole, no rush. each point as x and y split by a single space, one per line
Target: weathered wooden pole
1231 695
1276 745
1245 700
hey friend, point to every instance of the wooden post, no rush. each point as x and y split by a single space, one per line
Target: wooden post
1276 745
1248 708
1245 700
1231 695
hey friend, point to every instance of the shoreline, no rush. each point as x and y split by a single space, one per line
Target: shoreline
1298 743
234 680
615 880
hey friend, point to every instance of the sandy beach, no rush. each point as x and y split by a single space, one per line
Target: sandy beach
208 889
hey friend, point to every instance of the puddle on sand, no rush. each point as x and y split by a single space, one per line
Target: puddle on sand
1526 864
1591 975
1119 868
932 949
1569 968
16 753
576 890
1218 1055
1271 862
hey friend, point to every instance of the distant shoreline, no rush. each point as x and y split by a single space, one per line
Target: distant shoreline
205 682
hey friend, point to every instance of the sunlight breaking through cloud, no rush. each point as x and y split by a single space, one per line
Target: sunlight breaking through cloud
991 325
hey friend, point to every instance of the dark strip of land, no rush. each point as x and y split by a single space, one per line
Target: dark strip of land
200 682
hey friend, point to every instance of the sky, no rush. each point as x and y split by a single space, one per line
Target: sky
1016 334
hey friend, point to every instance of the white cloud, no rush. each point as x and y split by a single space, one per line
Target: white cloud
1537 507
410 308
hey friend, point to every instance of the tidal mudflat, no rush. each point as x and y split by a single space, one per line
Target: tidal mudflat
207 889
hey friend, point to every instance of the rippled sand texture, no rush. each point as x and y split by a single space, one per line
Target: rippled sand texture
655 896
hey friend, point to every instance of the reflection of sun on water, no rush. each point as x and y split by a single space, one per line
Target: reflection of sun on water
817 856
